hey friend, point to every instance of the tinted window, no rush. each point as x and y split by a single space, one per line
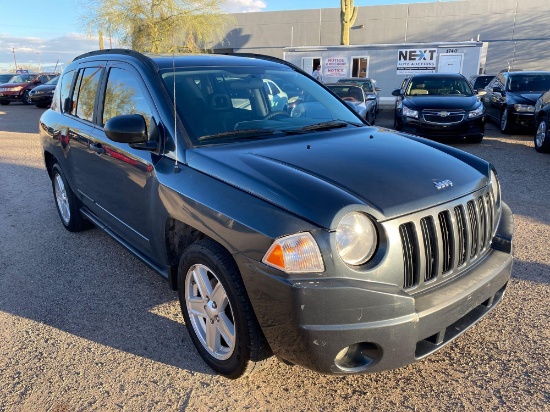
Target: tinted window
424 85
64 92
124 96
85 92
529 82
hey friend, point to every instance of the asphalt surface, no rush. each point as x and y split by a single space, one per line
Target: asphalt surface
86 326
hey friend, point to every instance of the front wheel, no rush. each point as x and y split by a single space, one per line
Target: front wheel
474 139
26 98
217 312
66 202
542 141
504 122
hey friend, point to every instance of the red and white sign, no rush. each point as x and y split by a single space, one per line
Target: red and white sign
336 67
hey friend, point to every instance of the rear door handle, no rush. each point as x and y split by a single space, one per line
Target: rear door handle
97 148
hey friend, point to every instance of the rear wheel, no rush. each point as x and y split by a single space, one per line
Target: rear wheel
67 204
217 312
542 140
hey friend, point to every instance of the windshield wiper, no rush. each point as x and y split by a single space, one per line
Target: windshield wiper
240 134
333 124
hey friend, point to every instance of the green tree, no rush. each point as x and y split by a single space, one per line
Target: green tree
348 14
158 26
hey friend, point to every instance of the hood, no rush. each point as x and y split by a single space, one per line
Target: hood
523 98
14 84
441 102
317 175
44 88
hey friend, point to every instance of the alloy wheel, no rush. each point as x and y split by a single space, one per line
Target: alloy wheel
62 199
540 136
210 311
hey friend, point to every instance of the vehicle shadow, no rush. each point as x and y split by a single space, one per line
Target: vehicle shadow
83 283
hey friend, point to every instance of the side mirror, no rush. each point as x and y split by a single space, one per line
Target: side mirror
396 92
127 128
377 89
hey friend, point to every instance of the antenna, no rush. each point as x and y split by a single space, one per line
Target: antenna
176 166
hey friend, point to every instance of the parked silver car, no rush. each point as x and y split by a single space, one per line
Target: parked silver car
355 96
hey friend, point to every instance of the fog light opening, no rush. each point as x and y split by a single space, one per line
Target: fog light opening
358 357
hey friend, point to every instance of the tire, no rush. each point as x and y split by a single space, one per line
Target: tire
397 123
26 99
504 123
68 206
217 312
474 139
542 140
4 102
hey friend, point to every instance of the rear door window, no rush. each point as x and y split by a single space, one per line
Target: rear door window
85 93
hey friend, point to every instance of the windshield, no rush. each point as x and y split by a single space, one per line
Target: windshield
438 86
22 78
528 83
226 104
348 93
53 81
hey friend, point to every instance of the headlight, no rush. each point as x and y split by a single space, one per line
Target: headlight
356 238
476 112
495 188
409 112
524 108
297 253
12 89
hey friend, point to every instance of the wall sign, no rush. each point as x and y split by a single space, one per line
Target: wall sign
336 67
411 61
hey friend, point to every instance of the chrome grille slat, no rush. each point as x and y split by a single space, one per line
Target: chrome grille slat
436 116
446 240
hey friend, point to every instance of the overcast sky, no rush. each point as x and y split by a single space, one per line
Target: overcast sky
49 31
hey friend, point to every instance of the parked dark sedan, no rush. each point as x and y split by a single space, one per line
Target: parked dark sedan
41 96
511 97
335 245
355 96
542 122
439 105
20 86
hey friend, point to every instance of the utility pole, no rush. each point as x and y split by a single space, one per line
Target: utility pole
39 67
15 61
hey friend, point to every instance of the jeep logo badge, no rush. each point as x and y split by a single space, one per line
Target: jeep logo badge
442 184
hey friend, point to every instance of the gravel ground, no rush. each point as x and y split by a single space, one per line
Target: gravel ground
85 326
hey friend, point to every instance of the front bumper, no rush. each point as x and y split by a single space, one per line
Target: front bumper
41 99
340 325
11 96
524 120
467 128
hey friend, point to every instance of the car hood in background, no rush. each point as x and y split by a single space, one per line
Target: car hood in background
523 98
316 176
14 84
44 88
441 102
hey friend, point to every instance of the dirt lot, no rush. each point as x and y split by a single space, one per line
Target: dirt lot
85 326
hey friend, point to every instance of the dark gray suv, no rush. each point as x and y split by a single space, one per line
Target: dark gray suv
334 245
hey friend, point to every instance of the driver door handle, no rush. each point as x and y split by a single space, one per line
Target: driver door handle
97 148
